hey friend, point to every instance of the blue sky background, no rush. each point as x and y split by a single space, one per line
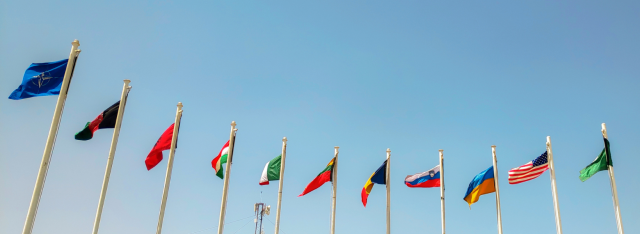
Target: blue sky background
413 76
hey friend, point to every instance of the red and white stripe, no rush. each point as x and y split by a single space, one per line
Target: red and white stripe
526 172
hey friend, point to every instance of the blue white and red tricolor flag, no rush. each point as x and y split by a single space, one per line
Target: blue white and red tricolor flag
530 170
427 179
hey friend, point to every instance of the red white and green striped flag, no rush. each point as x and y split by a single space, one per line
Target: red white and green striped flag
325 175
271 171
220 159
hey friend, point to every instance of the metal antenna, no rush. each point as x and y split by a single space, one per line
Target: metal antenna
260 210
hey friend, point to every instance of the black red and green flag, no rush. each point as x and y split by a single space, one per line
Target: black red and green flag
325 175
106 119
602 163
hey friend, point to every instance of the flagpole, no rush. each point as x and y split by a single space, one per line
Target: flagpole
614 189
284 155
334 184
495 176
51 140
442 189
225 187
554 189
387 182
167 178
112 151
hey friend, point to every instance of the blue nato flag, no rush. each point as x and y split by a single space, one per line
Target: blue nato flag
41 79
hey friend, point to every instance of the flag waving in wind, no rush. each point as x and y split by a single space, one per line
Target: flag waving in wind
529 171
163 143
483 183
106 119
378 177
217 162
271 171
427 179
41 79
602 163
325 175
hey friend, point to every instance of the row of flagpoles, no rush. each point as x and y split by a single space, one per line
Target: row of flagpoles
484 183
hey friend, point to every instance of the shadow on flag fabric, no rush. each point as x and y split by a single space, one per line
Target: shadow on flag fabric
164 143
602 163
325 175
377 177
483 183
427 179
217 162
41 79
106 119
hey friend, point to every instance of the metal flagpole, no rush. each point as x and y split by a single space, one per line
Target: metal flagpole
387 182
442 189
495 176
167 178
284 155
51 139
112 151
334 184
225 187
614 189
554 189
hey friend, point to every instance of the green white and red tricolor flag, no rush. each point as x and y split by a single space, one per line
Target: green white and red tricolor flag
325 175
271 171
220 159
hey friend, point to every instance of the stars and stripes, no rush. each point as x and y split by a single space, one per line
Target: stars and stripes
530 170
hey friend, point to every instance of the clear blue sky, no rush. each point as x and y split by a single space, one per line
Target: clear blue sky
413 76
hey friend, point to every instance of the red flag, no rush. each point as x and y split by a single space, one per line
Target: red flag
164 143
325 175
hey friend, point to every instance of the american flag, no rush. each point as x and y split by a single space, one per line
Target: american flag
530 170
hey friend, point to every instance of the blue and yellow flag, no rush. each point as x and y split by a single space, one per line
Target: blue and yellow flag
41 79
483 183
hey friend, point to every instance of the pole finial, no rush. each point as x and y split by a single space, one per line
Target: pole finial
180 104
127 81
233 123
75 42
336 147
388 150
284 139
440 150
493 146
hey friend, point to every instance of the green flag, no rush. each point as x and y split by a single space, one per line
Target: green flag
271 170
600 164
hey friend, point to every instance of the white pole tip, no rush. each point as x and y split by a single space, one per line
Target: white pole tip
76 42
233 123
440 150
180 104
284 139
336 147
127 81
388 150
493 146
